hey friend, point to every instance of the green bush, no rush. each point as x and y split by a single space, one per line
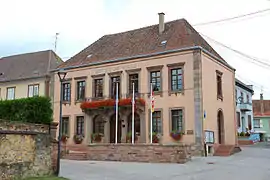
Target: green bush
29 110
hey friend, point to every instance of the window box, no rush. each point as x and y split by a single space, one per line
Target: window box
111 103
78 139
177 135
96 137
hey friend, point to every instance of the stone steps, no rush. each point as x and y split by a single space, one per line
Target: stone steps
78 156
224 150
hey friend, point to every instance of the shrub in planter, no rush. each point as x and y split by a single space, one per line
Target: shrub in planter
177 135
242 134
78 138
129 137
96 137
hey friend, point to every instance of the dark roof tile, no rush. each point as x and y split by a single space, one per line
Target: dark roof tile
178 34
29 65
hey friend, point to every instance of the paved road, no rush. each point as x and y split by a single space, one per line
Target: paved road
250 164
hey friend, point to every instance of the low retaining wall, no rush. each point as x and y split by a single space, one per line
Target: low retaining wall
25 150
139 153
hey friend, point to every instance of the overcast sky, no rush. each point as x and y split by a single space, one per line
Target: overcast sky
30 25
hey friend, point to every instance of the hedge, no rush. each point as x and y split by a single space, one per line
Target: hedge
29 110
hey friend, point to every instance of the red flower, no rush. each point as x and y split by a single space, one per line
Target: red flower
110 103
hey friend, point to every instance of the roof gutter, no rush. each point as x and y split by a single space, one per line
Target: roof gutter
23 79
146 56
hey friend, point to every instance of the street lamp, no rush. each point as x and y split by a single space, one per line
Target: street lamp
61 74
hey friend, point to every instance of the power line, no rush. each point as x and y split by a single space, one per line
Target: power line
255 60
233 18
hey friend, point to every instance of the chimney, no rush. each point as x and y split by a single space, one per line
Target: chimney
261 103
161 25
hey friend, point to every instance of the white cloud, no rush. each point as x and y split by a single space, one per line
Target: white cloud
30 25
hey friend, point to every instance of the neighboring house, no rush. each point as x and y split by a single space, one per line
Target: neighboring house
244 112
27 75
261 113
190 81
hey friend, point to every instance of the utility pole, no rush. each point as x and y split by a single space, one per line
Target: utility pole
55 43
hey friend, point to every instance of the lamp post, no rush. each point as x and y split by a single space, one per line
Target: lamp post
61 74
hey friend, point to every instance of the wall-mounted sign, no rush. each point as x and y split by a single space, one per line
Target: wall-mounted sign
190 132
209 137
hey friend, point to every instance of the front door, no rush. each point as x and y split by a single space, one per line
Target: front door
220 122
113 129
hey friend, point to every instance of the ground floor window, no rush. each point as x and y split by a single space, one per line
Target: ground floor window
65 125
157 122
177 120
80 125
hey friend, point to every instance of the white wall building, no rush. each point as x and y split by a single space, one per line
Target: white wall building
244 111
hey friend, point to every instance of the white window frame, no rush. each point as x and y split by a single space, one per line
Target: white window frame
259 123
33 90
10 96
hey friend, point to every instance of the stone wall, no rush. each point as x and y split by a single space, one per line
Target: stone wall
25 150
139 153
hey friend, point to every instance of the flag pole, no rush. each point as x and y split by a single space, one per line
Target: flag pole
133 112
151 113
116 113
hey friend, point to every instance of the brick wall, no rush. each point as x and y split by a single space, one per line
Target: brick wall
25 150
139 153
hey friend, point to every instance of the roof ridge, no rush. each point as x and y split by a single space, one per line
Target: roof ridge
28 53
145 27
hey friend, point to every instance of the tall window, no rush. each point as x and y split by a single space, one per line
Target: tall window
80 90
236 95
238 119
114 81
176 79
66 92
219 86
248 98
133 78
33 90
157 122
177 120
98 125
98 87
11 93
65 125
155 79
80 125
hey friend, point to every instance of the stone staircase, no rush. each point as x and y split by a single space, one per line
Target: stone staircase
226 150
76 155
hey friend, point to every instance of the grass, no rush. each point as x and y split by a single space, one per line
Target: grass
46 178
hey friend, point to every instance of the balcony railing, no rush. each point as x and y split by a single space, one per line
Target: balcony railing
121 96
245 106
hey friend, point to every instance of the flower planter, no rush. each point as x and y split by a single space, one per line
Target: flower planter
78 139
110 103
96 137
64 139
177 136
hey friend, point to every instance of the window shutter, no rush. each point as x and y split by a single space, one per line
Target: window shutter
261 123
